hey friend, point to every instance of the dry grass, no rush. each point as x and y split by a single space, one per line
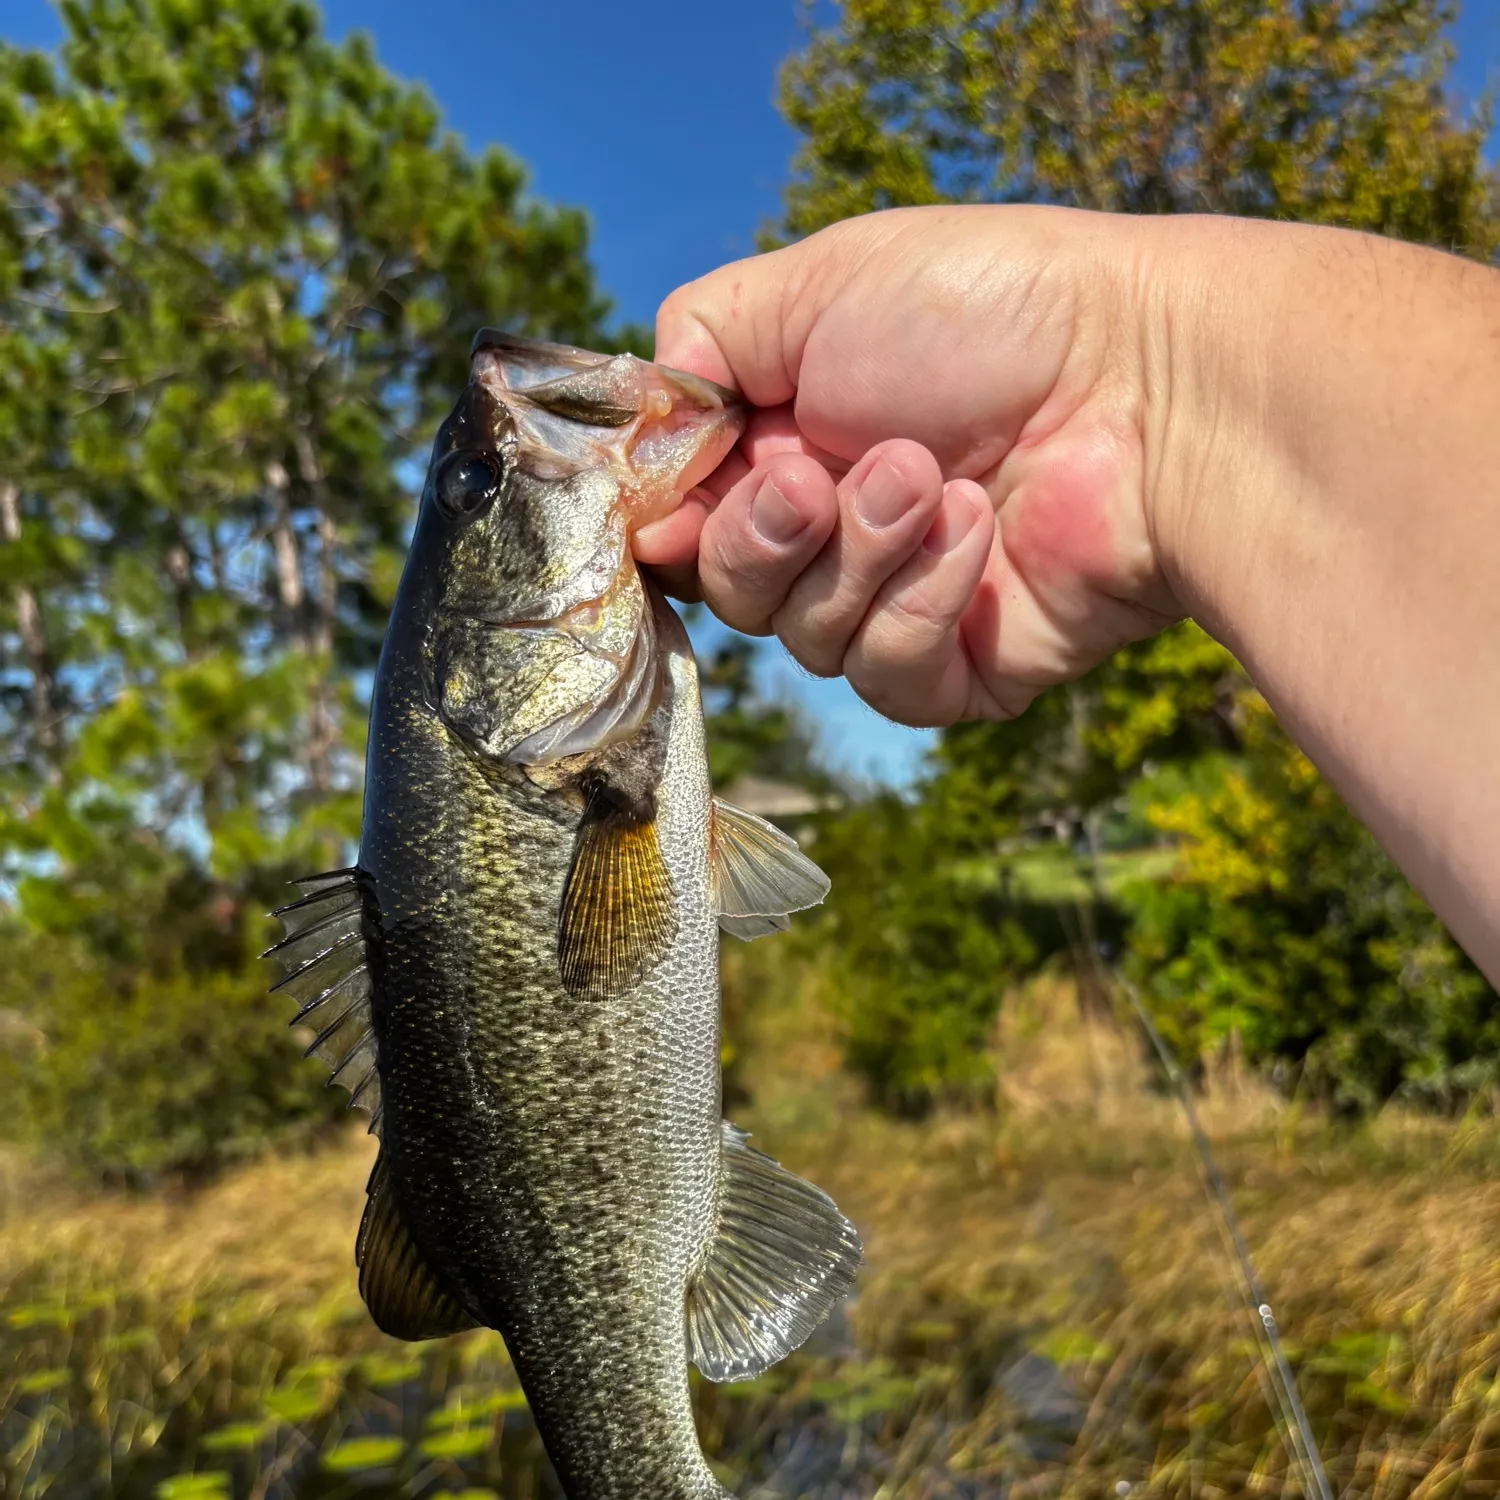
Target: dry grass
1042 1313
283 1228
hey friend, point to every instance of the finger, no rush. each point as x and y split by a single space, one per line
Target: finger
733 325
672 542
770 433
763 534
1069 580
886 503
670 546
774 430
908 659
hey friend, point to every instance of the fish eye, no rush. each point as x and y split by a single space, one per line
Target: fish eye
467 483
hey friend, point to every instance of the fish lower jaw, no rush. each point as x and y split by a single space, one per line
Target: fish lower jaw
646 507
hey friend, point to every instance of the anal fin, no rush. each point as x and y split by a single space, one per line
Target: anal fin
782 1257
759 874
404 1295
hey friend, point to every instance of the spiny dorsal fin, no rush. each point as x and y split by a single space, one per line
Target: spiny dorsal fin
618 915
403 1293
759 874
322 958
782 1257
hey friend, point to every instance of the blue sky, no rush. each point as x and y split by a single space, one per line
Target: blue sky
659 121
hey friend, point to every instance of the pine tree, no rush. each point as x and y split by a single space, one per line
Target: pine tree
239 270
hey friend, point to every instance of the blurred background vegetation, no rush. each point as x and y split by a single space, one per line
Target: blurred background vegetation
239 268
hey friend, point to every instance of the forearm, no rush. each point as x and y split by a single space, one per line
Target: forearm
1324 415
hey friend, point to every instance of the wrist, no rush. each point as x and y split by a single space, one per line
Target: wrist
1216 396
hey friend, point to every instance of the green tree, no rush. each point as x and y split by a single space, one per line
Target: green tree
1286 926
239 269
920 935
1328 111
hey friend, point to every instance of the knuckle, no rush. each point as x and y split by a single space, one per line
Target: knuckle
912 699
810 649
738 569
912 620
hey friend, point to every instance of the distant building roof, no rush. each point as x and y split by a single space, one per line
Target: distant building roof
776 799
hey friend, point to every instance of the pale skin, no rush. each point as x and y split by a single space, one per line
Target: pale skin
991 445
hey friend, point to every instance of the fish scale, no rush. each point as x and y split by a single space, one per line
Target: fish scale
542 877
551 1228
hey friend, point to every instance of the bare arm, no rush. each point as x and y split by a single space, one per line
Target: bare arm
997 443
1327 503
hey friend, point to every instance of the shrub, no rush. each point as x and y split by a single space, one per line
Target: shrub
1286 925
922 938
179 1073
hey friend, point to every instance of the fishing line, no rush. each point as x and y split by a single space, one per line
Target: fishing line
1297 1430
1277 1377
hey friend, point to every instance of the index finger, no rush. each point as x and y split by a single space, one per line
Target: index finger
673 540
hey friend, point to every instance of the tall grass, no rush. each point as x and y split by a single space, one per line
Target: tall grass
1042 1312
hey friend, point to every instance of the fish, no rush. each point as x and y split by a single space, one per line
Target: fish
518 978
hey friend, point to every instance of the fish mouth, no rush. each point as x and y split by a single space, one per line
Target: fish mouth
657 431
652 432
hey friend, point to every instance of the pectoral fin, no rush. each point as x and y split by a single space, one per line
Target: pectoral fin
782 1257
404 1295
759 874
618 915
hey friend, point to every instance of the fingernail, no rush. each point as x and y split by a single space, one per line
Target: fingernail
775 519
948 530
884 497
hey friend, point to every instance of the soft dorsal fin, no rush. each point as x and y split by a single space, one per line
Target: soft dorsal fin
782 1256
404 1295
759 874
618 914
322 958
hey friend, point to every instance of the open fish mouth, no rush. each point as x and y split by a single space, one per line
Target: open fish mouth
656 431
617 442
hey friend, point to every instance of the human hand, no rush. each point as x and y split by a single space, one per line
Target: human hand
944 491
996 443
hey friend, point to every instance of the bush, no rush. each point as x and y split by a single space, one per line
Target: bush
176 1074
922 937
1286 925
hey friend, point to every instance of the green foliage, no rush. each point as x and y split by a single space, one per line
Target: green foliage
239 270
130 1392
175 1073
941 903
1284 924
1072 758
1330 111
1281 922
922 939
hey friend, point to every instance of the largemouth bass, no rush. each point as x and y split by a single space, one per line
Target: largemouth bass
519 977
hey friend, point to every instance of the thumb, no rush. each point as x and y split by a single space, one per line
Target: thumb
746 324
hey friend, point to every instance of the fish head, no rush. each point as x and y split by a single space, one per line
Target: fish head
542 642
